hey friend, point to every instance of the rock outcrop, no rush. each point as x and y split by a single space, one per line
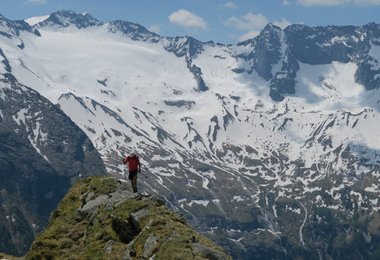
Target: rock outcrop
100 218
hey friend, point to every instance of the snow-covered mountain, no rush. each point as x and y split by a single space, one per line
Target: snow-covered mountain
261 144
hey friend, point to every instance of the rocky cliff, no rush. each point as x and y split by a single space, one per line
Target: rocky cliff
38 144
99 218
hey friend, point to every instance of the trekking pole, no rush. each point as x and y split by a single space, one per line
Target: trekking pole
146 176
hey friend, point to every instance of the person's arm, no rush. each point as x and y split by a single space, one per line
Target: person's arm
125 160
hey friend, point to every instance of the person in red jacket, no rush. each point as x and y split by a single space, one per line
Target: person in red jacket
134 167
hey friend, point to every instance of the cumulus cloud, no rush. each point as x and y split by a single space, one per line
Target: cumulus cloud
252 24
322 2
37 2
187 19
282 23
366 2
230 5
247 22
337 2
253 33
155 29
248 35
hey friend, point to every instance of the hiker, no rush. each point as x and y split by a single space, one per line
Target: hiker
134 166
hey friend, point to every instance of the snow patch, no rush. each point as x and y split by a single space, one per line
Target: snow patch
329 87
37 19
237 198
20 116
374 188
199 202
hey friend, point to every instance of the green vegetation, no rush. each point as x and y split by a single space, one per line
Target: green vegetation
8 257
100 219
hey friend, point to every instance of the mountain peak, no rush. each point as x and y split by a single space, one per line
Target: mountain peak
8 27
270 30
66 18
133 30
36 19
271 27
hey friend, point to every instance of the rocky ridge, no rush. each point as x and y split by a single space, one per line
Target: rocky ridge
100 218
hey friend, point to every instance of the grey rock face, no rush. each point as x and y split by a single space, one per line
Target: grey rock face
133 30
179 103
207 252
267 51
322 45
150 246
184 46
368 73
90 204
283 82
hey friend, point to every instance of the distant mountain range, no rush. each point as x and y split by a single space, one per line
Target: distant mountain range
270 146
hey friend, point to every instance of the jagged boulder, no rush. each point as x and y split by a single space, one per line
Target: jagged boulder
100 218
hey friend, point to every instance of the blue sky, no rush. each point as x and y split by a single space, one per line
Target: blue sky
228 21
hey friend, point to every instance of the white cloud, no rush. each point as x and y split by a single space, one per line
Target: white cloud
230 5
37 2
253 33
252 24
366 2
337 2
282 24
248 22
248 35
155 29
322 2
187 19
286 2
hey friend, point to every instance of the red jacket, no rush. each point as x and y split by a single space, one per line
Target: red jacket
133 162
